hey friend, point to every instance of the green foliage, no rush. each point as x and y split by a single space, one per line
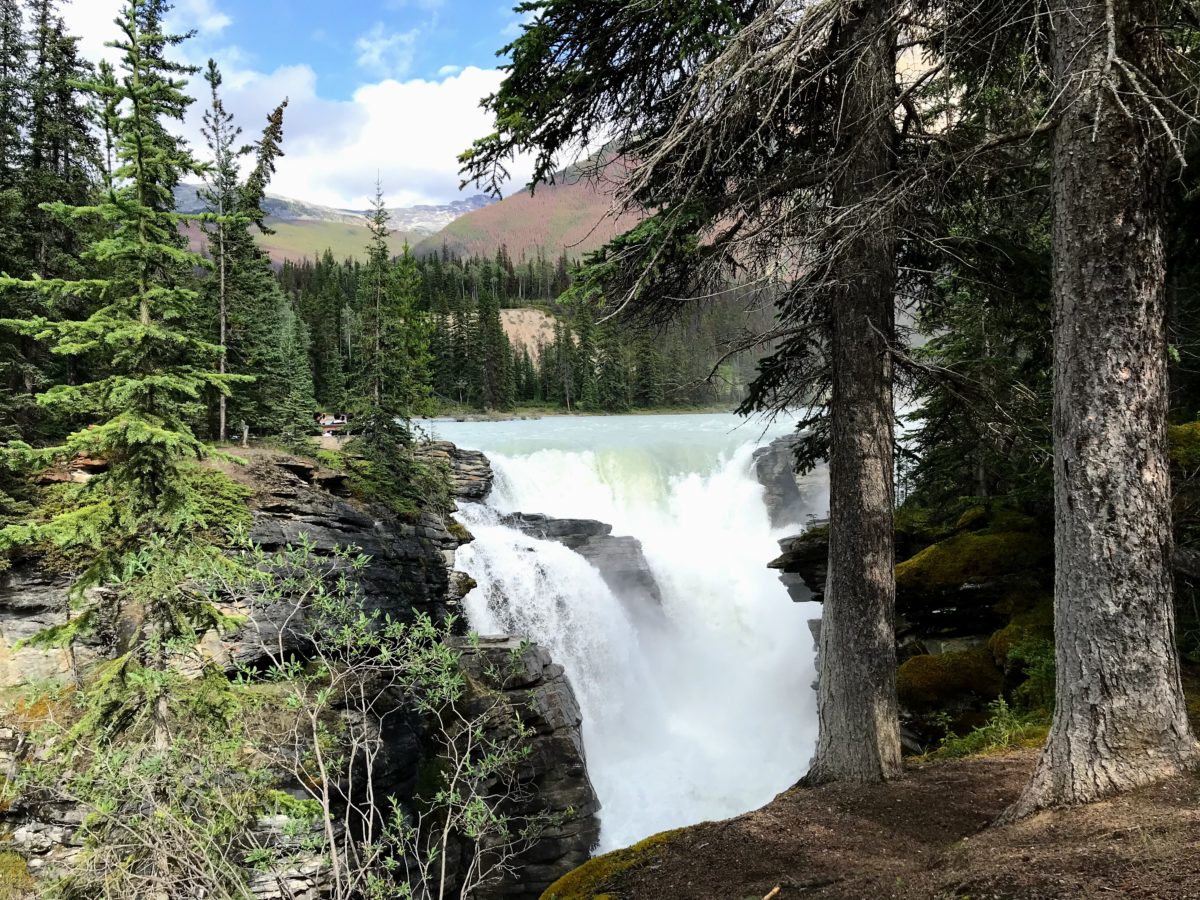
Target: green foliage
390 378
1005 729
156 373
1036 661
386 471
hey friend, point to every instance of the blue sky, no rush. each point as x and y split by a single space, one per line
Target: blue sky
353 42
386 88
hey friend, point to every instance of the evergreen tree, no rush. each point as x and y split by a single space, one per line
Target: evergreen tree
221 196
494 369
296 405
648 375
14 97
155 372
612 375
391 378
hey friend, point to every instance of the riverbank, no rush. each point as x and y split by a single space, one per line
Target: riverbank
926 835
470 414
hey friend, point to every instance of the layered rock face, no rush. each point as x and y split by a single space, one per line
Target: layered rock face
966 595
620 559
554 776
470 469
410 572
785 492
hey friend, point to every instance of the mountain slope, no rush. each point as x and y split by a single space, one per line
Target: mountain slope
570 216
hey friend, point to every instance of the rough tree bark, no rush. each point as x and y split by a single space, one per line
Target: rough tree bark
1120 719
859 725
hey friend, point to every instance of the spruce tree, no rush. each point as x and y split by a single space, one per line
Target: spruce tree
154 372
14 97
391 377
221 195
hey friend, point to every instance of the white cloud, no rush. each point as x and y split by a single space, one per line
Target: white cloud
410 131
93 21
202 15
387 53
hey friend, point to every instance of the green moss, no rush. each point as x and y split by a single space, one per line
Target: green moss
994 518
15 880
1184 442
926 683
589 880
972 557
459 532
1035 623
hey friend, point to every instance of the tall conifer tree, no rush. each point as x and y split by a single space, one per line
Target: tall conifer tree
154 372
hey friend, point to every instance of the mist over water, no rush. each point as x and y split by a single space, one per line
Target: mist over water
701 710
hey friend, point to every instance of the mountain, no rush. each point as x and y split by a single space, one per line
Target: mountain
569 216
308 229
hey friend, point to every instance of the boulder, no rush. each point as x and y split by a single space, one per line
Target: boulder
620 560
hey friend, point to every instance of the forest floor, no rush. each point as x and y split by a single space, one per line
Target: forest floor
927 835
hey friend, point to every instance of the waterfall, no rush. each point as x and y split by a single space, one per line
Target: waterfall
702 712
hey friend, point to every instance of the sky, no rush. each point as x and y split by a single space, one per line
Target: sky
376 88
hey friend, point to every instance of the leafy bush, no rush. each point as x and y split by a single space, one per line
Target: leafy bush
1036 658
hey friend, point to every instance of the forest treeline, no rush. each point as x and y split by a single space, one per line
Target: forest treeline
578 364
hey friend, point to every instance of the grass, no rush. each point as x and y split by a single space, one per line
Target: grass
1005 729
298 240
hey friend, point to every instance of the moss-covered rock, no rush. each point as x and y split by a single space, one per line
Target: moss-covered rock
972 557
591 880
948 680
1034 623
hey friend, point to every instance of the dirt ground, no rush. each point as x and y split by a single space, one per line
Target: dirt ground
927 836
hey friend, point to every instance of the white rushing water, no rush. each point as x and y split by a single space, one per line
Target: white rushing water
704 711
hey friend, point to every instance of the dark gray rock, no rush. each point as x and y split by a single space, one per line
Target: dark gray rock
469 469
408 572
554 776
804 563
619 559
775 469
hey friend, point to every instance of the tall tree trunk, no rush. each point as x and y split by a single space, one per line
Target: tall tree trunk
1120 719
224 326
859 722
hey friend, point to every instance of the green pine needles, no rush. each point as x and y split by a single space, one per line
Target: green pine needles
153 375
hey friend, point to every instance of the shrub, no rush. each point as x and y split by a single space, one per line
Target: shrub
1005 729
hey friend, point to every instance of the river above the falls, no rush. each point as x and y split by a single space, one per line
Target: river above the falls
697 709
